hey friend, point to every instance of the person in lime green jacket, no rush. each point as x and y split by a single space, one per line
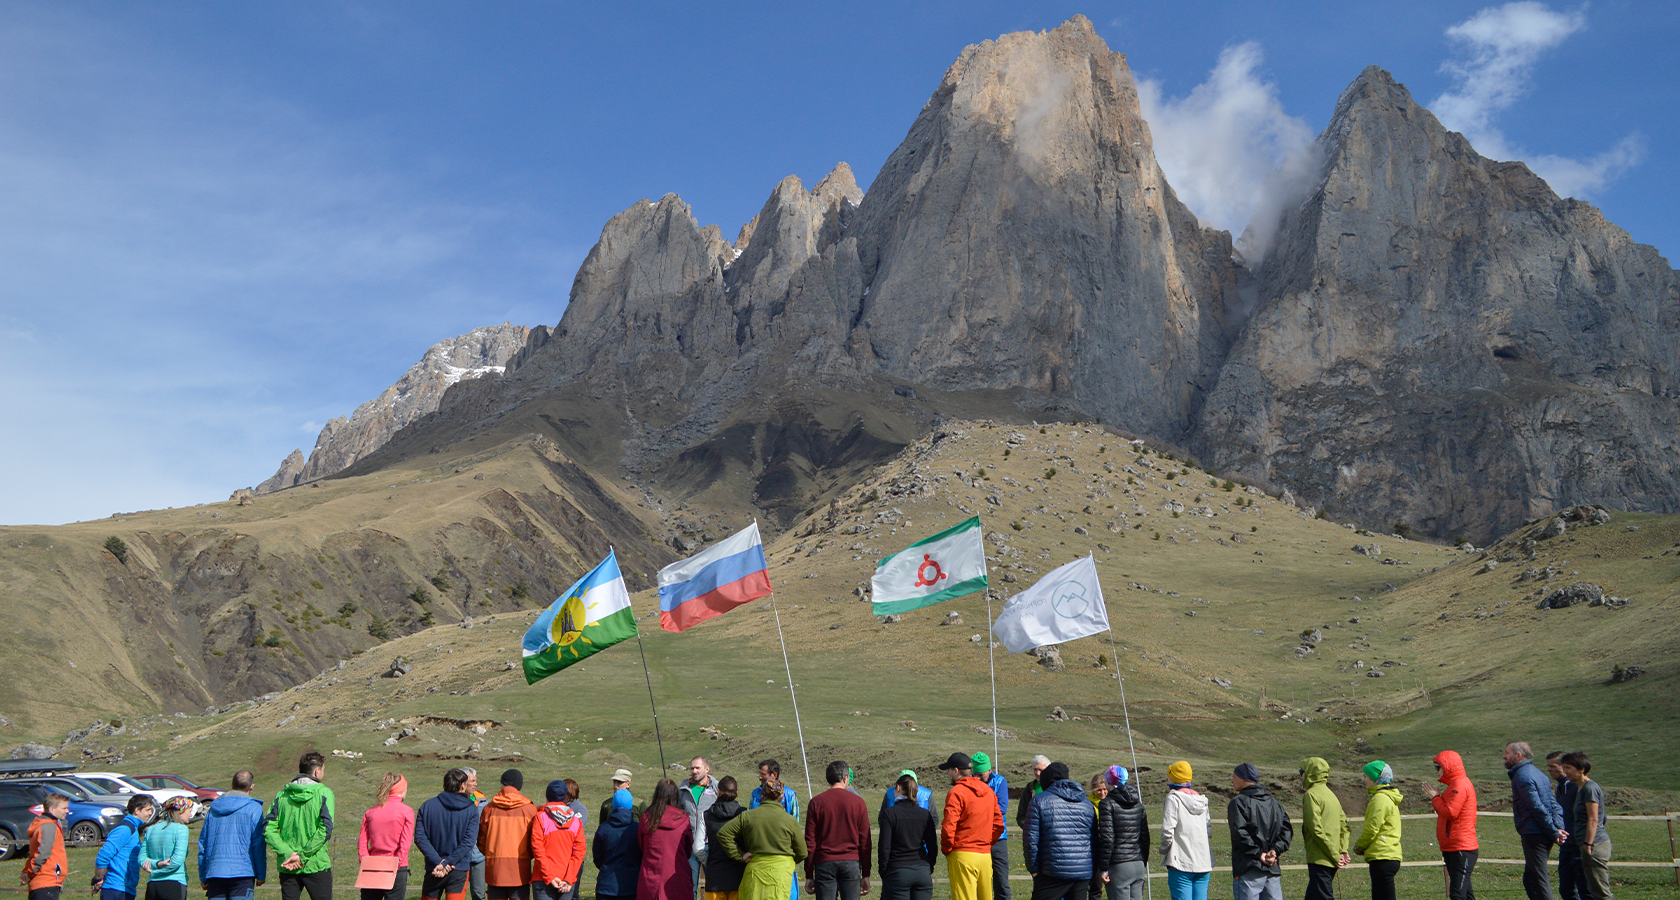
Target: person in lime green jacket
298 827
1324 830
1379 843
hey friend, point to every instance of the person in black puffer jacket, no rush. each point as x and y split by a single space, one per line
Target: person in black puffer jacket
1122 851
1057 839
723 874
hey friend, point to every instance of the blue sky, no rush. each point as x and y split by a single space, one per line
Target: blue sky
222 224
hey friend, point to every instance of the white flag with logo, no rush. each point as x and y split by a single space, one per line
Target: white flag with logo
949 564
1065 605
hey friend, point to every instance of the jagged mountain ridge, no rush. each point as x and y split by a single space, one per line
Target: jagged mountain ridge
1021 253
344 440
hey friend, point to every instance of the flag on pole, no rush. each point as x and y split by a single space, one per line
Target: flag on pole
591 616
949 564
1066 604
713 581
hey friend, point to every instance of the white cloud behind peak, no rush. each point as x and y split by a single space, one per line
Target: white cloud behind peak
1497 51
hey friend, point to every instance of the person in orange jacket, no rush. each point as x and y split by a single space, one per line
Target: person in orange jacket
1455 822
973 823
46 865
504 837
557 845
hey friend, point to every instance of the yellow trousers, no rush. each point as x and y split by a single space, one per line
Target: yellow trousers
971 875
768 877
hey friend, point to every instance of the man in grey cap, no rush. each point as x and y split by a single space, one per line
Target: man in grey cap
620 781
1260 833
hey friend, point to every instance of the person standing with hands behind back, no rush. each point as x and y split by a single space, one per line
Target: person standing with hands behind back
446 831
298 827
1260 833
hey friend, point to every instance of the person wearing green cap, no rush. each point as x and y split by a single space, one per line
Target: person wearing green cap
1000 851
1379 843
1324 830
924 796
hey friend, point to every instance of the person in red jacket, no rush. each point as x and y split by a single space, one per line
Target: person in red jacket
46 865
666 837
388 830
1455 823
504 837
557 845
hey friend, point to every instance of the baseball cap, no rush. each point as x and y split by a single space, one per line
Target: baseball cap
957 761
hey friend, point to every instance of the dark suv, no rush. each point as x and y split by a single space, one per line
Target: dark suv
16 812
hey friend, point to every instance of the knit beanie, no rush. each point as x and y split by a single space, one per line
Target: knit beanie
1116 776
622 799
1247 772
514 778
1180 772
1053 773
557 791
982 763
1378 771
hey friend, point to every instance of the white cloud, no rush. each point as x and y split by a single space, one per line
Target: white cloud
310 428
1498 49
1230 151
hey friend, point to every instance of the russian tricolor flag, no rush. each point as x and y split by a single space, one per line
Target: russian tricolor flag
714 581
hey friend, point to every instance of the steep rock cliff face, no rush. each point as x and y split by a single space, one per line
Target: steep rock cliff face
1446 343
480 352
1021 239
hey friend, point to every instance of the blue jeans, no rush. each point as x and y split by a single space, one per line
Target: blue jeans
1187 885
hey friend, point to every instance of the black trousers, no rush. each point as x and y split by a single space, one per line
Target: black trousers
398 891
907 883
1537 852
318 884
47 893
166 890
837 877
1321 882
1461 864
1000 870
1382 878
1060 888
1571 877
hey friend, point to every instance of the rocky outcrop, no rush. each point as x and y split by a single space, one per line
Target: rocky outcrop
480 352
1445 342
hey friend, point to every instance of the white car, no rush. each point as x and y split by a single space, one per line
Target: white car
118 783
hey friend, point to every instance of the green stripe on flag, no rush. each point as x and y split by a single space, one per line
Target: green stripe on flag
961 526
592 639
955 590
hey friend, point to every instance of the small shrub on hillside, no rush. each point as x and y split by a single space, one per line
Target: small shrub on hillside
1041 430
117 548
520 591
441 581
317 585
420 595
1050 473
426 619
1253 528
348 609
1157 535
1015 525
1131 480
1228 486
1402 529
1171 475
379 628
1006 453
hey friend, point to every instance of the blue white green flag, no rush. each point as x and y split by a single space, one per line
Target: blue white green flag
590 617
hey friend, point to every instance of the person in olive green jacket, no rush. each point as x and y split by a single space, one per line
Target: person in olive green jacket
298 827
1379 843
770 841
1324 830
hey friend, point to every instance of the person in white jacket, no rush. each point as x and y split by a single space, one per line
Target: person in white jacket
1185 829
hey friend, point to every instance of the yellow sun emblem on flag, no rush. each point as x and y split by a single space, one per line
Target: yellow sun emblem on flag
568 628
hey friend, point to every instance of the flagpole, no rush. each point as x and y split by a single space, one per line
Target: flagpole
991 661
794 697
1114 650
648 678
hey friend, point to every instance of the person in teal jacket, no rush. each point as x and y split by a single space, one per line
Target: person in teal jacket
163 851
1379 843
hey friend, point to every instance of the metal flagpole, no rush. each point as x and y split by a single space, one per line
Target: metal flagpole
648 678
793 697
1114 650
991 660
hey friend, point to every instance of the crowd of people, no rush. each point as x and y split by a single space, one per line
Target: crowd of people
694 839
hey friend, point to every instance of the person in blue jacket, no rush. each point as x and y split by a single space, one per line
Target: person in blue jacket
1057 839
116 870
232 853
618 855
1537 816
446 833
924 797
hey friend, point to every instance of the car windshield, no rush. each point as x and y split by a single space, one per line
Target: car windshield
110 785
134 784
68 789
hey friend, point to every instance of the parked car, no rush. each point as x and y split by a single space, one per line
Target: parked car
118 783
87 824
164 782
77 789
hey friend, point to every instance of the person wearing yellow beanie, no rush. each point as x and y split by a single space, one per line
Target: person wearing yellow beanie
1180 773
1184 837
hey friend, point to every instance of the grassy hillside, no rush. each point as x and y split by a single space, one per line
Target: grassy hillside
1222 590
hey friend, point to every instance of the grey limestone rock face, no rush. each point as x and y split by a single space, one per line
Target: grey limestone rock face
1444 341
344 440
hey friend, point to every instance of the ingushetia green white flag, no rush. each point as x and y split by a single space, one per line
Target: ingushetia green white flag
949 564
1065 605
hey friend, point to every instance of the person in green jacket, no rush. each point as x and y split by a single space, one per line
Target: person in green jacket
1324 830
1379 843
298 826
163 851
771 843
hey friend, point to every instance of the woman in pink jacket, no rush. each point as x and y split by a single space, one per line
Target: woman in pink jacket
388 830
